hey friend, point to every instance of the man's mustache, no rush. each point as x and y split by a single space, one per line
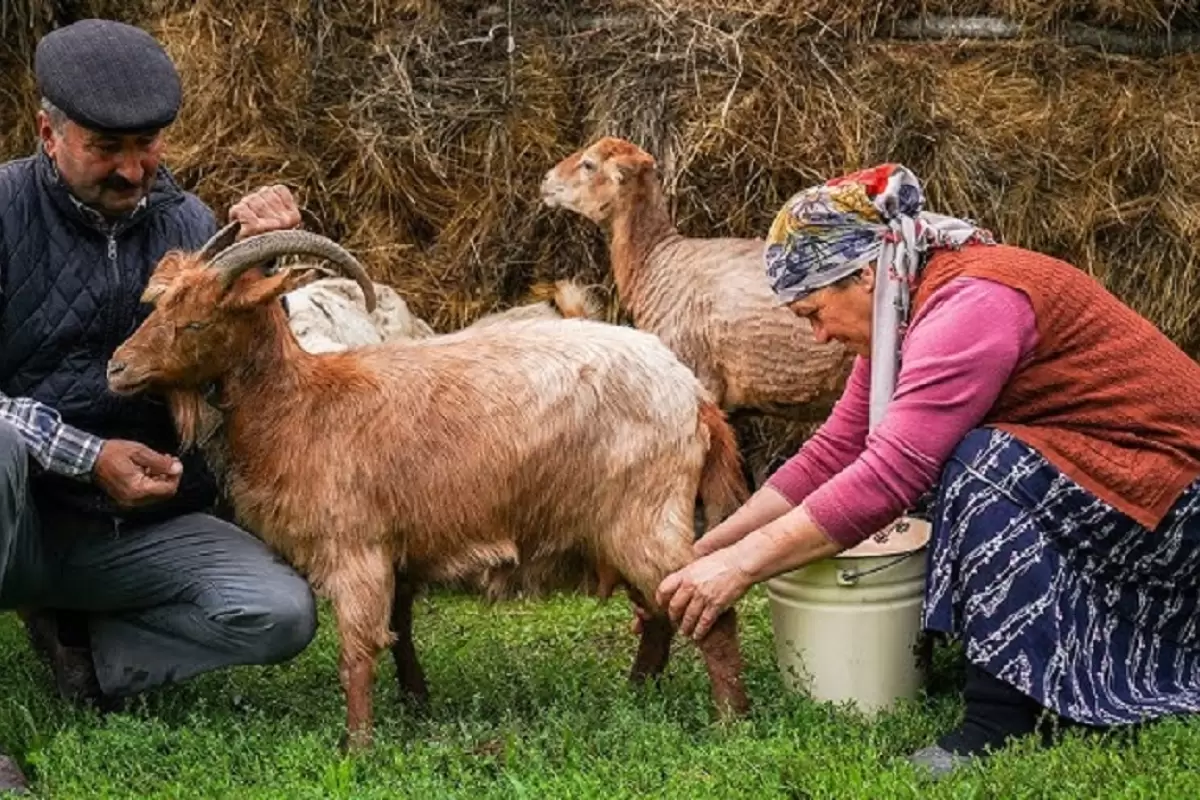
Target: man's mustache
118 184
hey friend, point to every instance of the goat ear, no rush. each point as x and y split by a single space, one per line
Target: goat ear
254 288
169 268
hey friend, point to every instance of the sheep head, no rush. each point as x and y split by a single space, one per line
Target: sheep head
209 306
590 180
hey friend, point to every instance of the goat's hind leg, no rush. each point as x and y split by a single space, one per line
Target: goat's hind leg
654 649
409 676
362 594
723 660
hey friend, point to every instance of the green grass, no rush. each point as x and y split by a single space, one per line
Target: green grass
530 701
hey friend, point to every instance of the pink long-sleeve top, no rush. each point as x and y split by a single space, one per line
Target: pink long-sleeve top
959 352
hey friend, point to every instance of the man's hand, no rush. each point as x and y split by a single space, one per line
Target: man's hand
271 208
134 475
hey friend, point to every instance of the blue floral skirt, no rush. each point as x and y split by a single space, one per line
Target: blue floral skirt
1058 594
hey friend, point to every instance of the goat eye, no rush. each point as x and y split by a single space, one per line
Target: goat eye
195 326
587 166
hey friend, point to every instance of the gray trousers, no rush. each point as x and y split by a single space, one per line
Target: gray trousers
164 601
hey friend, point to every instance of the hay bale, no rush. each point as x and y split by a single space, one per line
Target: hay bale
418 136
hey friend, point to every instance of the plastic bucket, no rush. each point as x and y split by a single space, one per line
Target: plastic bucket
846 628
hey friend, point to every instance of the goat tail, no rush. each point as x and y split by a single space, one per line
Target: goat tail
722 483
573 300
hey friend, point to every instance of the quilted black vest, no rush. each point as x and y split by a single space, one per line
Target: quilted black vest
69 295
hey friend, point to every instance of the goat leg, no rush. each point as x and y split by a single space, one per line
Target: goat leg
357 671
409 675
723 659
654 649
362 592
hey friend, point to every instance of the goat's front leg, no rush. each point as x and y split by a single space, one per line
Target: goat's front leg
409 675
362 594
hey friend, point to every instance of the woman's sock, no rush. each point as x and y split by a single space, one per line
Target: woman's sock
995 713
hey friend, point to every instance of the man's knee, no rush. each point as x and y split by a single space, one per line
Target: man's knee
14 457
278 623
293 620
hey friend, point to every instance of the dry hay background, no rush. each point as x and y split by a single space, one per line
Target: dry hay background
419 138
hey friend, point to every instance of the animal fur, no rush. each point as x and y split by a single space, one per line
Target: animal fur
533 453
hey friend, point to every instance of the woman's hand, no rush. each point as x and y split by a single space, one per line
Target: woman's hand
700 592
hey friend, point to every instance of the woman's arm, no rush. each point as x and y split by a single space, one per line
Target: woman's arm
828 451
953 369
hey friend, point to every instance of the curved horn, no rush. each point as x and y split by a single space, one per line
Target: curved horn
240 257
220 240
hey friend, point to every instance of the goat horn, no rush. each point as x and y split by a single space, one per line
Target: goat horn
220 240
240 257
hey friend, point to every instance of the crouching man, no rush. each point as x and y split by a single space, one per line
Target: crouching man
124 579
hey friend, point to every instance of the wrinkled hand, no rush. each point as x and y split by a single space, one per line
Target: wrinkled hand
705 545
697 594
701 547
270 208
134 475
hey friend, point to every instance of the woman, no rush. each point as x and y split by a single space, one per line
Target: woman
1065 550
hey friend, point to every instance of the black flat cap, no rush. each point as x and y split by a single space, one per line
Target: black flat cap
108 76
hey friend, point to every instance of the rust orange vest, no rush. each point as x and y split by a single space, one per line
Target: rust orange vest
1106 397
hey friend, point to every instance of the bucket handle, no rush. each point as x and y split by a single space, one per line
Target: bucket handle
849 577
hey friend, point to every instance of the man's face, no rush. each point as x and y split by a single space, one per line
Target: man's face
109 172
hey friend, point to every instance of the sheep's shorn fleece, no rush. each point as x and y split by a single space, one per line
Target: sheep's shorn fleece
328 315
541 454
708 299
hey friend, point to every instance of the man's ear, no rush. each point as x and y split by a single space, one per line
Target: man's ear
254 288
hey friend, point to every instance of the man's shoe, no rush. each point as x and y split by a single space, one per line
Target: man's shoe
72 666
12 780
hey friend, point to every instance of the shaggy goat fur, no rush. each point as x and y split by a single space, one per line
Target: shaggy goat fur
327 315
707 299
537 453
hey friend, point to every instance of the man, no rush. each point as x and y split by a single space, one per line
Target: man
98 520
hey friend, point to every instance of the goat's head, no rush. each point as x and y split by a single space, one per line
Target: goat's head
208 306
590 180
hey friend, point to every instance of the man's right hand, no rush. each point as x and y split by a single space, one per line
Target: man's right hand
134 475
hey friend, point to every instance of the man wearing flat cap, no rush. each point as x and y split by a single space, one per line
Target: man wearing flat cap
108 544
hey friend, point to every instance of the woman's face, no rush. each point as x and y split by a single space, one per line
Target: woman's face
841 313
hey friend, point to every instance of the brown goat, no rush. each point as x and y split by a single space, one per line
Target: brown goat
707 299
539 454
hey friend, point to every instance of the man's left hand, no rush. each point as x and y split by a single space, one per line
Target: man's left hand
700 592
271 208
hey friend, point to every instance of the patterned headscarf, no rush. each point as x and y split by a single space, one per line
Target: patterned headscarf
828 232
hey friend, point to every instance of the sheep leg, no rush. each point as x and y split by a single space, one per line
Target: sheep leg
409 675
362 592
723 659
654 649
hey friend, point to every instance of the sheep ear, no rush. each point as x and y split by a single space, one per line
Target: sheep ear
254 288
623 168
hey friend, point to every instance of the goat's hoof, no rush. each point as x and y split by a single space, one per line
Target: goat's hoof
733 707
355 741
415 703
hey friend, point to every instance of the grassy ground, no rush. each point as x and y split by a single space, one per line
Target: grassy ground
531 702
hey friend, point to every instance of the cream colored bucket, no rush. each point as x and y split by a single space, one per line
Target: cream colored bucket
846 628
